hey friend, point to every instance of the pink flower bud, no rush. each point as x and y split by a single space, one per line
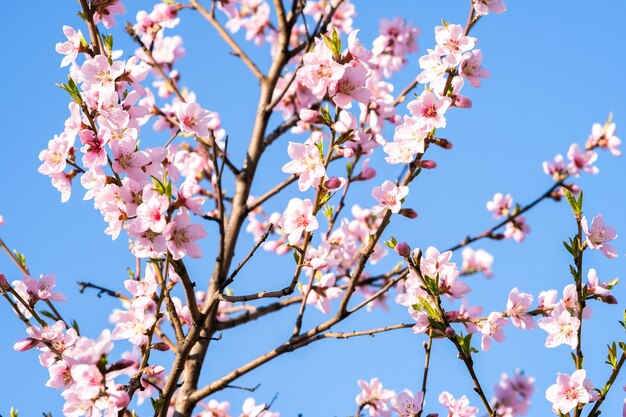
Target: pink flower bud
1 220
403 249
462 102
428 164
367 174
442 143
23 345
162 346
154 370
450 332
3 282
408 213
333 183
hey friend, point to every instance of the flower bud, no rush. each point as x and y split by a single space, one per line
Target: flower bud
154 370
403 249
23 345
450 332
162 346
333 183
428 164
462 102
4 284
408 213
442 143
1 220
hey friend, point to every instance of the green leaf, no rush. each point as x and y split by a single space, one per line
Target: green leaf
13 412
391 243
612 355
333 43
21 258
48 314
349 169
108 42
75 326
157 404
569 248
72 89
576 208
328 212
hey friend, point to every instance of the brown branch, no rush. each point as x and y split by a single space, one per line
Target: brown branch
241 264
371 332
279 130
427 348
82 286
96 41
237 50
490 232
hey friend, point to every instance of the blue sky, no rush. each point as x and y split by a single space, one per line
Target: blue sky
557 68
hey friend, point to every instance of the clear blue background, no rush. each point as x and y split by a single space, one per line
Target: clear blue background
557 67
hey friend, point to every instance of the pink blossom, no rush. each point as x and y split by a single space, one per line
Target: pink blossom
375 398
390 195
151 213
600 289
306 161
127 159
323 291
581 160
408 405
517 229
71 47
568 392
214 408
471 69
429 110
598 235
557 169
251 409
319 69
457 408
182 235
603 136
356 48
512 395
350 87
483 7
193 119
477 261
298 218
517 306
104 10
492 327
63 183
500 206
93 148
89 381
55 156
396 39
433 67
98 72
453 43
133 324
561 326
42 289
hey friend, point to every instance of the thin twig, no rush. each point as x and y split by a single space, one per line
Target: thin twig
237 50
